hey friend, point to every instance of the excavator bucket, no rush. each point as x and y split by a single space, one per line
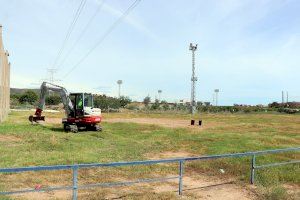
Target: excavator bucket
36 118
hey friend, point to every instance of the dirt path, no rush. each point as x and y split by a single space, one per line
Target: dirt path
165 122
204 187
201 186
194 187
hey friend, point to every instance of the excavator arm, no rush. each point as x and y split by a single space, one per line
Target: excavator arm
45 87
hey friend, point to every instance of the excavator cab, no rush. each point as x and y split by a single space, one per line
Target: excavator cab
83 104
77 101
84 114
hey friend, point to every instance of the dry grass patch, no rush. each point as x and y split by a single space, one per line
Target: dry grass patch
9 138
168 154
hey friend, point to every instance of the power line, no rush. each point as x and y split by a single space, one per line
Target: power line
108 31
81 34
70 30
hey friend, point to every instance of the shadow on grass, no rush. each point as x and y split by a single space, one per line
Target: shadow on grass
96 134
57 129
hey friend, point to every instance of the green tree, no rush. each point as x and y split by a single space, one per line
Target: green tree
28 97
165 105
105 102
147 100
155 106
274 105
53 100
15 96
124 101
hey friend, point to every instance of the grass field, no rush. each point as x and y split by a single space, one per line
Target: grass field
23 144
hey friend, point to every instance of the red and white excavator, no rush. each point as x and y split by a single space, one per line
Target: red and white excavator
79 109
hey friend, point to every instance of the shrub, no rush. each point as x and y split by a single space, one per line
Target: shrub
28 97
124 101
165 105
275 193
105 102
133 106
274 105
155 105
15 96
53 100
147 100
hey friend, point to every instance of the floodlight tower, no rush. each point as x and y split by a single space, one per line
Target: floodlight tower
119 82
159 95
193 48
217 92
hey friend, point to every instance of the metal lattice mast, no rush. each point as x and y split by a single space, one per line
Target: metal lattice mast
193 48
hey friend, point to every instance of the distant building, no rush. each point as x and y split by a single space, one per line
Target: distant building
184 101
4 80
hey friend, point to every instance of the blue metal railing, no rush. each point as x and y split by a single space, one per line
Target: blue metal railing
180 161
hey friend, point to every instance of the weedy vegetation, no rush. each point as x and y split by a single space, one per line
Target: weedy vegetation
23 144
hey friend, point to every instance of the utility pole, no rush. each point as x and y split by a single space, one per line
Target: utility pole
282 97
217 92
287 96
193 48
51 72
51 79
119 82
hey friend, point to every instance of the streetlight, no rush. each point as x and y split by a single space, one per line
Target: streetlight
119 82
217 91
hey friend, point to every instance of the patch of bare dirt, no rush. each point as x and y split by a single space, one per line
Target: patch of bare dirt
50 120
195 186
200 186
168 154
293 190
205 187
9 138
46 195
165 122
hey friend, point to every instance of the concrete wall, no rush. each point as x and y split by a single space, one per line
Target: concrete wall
4 80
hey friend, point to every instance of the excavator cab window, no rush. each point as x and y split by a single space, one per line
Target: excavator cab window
88 100
77 100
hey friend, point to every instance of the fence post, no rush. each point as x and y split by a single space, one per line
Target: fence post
180 177
75 181
252 170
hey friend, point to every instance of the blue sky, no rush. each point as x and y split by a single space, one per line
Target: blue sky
249 49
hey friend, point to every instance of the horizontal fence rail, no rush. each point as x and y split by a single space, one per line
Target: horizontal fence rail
180 162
